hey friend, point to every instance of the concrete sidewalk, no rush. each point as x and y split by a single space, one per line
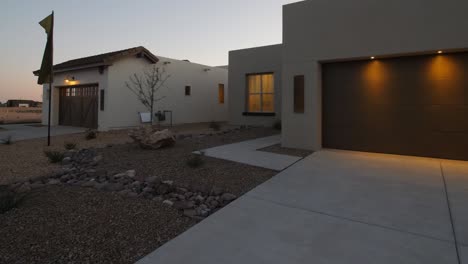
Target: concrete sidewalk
338 207
246 152
20 132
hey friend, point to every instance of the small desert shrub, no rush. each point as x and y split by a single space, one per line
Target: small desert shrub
196 160
54 156
6 141
277 125
215 126
9 199
69 145
90 134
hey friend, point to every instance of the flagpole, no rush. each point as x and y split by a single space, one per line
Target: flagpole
50 80
48 122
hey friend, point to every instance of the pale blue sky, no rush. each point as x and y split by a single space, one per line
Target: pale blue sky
202 31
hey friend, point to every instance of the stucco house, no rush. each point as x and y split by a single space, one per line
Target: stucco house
91 91
365 75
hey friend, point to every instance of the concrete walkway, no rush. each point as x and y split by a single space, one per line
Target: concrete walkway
246 152
338 207
20 132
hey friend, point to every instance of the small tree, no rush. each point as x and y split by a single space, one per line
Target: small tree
147 85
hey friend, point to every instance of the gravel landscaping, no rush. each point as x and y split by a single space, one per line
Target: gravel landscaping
115 203
287 151
77 225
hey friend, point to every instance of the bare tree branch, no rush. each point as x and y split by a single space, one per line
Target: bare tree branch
147 85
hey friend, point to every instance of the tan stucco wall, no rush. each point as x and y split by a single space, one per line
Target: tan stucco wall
201 106
248 61
320 30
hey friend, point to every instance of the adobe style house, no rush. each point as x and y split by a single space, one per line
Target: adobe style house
91 92
365 75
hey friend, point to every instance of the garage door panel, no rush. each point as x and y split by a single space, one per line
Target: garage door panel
452 119
410 106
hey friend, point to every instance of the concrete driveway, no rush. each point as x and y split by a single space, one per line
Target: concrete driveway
20 132
339 207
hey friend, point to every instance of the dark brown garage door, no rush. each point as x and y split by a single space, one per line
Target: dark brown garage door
79 106
411 105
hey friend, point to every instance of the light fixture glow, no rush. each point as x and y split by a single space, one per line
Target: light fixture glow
440 52
372 58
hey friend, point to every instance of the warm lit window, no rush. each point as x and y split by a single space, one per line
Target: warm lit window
261 93
221 93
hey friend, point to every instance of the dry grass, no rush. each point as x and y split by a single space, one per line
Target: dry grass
11 115
25 159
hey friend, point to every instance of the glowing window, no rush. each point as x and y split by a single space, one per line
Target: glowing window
261 93
221 93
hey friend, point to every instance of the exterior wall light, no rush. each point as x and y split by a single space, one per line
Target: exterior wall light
69 79
372 58
440 52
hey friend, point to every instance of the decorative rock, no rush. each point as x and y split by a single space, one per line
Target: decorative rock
101 186
132 194
130 173
119 175
148 190
180 190
168 182
164 189
158 199
89 184
113 187
66 160
184 205
190 213
36 185
136 184
214 204
24 188
124 192
168 203
153 179
215 191
97 158
199 198
53 182
227 197
150 139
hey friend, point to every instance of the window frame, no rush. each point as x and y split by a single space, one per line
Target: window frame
299 94
261 112
221 93
188 90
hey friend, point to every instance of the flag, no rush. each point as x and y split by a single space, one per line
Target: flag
45 74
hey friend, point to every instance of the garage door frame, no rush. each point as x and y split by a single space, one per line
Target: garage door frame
78 105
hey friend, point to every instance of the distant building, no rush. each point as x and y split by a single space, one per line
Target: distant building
23 103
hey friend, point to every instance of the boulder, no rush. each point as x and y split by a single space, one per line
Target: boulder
148 138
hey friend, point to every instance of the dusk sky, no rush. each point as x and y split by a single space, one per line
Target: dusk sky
201 31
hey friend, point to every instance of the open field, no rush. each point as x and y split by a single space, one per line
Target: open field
15 115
